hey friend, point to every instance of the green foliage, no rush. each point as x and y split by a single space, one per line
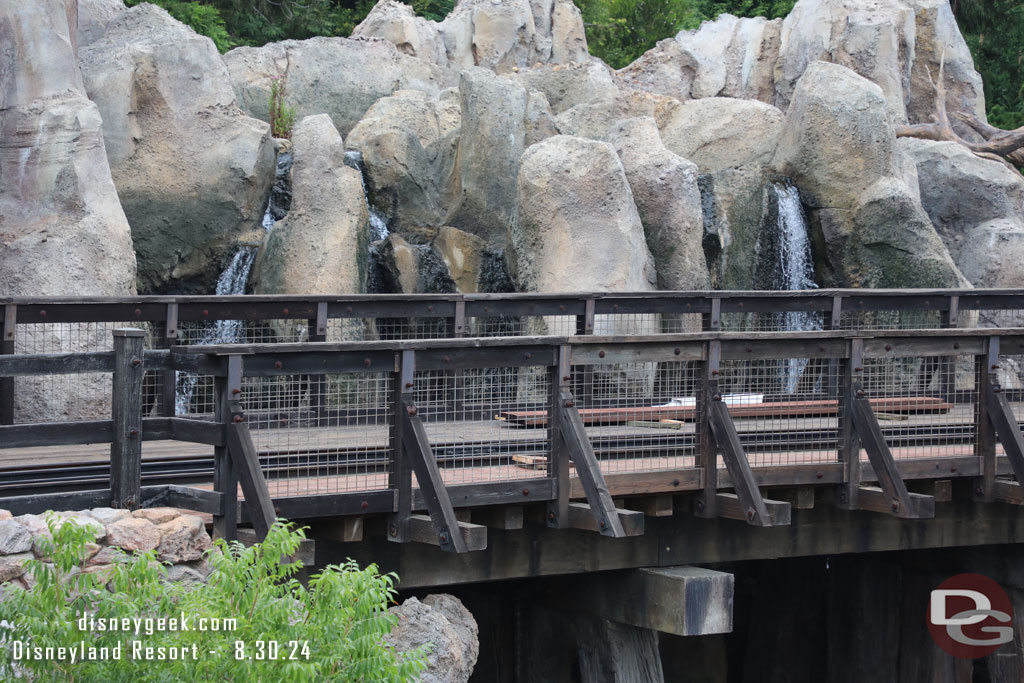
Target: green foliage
619 31
282 116
994 31
331 631
204 19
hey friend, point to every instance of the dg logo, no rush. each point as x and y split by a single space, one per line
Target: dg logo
970 616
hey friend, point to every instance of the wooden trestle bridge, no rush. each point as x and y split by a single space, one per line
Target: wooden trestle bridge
491 426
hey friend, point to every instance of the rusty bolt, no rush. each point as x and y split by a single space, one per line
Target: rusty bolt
367 362
42 313
750 350
444 537
858 369
995 367
895 506
136 362
860 393
348 310
430 309
134 432
751 513
393 530
952 468
819 474
676 351
716 397
238 418
715 373
408 385
364 505
206 312
138 311
561 308
615 307
10 335
956 345
487 309
603 525
446 359
527 355
600 354
551 516
566 378
570 404
700 503
526 492
888 347
675 482
286 311
410 410
236 391
741 304
278 365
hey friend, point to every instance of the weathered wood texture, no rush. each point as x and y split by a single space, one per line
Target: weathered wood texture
126 423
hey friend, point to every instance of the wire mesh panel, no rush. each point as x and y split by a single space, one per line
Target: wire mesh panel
786 410
890 320
486 424
1011 381
318 434
521 325
54 398
995 318
924 405
640 417
735 321
390 328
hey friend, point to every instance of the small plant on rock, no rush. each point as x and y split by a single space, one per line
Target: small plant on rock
282 116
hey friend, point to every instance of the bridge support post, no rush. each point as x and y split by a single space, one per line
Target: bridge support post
318 383
165 338
1004 422
985 368
126 414
558 455
225 478
705 502
849 441
400 476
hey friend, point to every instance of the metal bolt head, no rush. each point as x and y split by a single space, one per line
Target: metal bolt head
444 537
895 506
888 347
526 492
570 404
410 410
364 505
675 482
278 365
206 312
408 385
136 362
979 491
393 530
860 393
676 351
600 354
238 418
603 524
551 516
42 313
716 397
134 432
138 311
236 391
367 362
286 311
751 513
566 378
700 504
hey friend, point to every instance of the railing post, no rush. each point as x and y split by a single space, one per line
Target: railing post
947 378
318 383
834 322
225 476
400 477
558 456
166 338
985 368
126 413
7 338
849 441
584 391
457 394
706 500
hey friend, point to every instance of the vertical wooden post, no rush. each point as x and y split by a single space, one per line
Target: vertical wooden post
834 322
400 477
558 455
126 413
318 383
168 378
849 441
985 368
947 376
584 389
457 397
225 476
7 337
705 500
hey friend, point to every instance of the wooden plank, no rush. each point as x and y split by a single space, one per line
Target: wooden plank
185 498
471 537
849 440
559 460
901 502
250 478
225 476
417 449
346 530
56 434
196 431
1007 492
1000 412
939 489
753 505
914 506
730 507
647 352
582 516
798 497
8 326
587 468
985 367
126 422
653 506
507 517
32 364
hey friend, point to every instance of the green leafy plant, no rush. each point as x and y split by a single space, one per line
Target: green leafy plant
282 116
251 621
203 18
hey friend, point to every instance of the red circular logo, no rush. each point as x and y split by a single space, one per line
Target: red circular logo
970 616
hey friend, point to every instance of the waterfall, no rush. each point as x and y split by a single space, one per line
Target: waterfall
378 224
786 263
234 279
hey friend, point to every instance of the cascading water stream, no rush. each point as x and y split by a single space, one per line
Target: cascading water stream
378 224
234 279
787 249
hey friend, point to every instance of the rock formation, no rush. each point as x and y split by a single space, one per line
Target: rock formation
192 171
444 622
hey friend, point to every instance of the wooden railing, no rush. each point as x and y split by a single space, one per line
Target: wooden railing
571 470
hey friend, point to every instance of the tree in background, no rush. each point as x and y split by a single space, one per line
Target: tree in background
994 30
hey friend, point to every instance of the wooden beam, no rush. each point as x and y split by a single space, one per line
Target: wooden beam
400 474
417 449
305 554
730 507
126 416
897 500
225 476
581 516
508 517
345 530
7 338
247 464
1000 413
939 489
472 537
653 506
1007 492
558 457
754 510
799 497
588 469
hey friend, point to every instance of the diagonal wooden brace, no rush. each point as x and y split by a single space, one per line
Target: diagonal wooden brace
574 436
751 502
1000 414
893 496
428 476
242 452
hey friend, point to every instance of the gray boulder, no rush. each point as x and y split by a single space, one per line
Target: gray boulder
977 206
667 197
341 77
93 18
839 148
721 132
566 85
594 119
397 23
576 226
732 57
320 247
192 171
442 622
665 69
